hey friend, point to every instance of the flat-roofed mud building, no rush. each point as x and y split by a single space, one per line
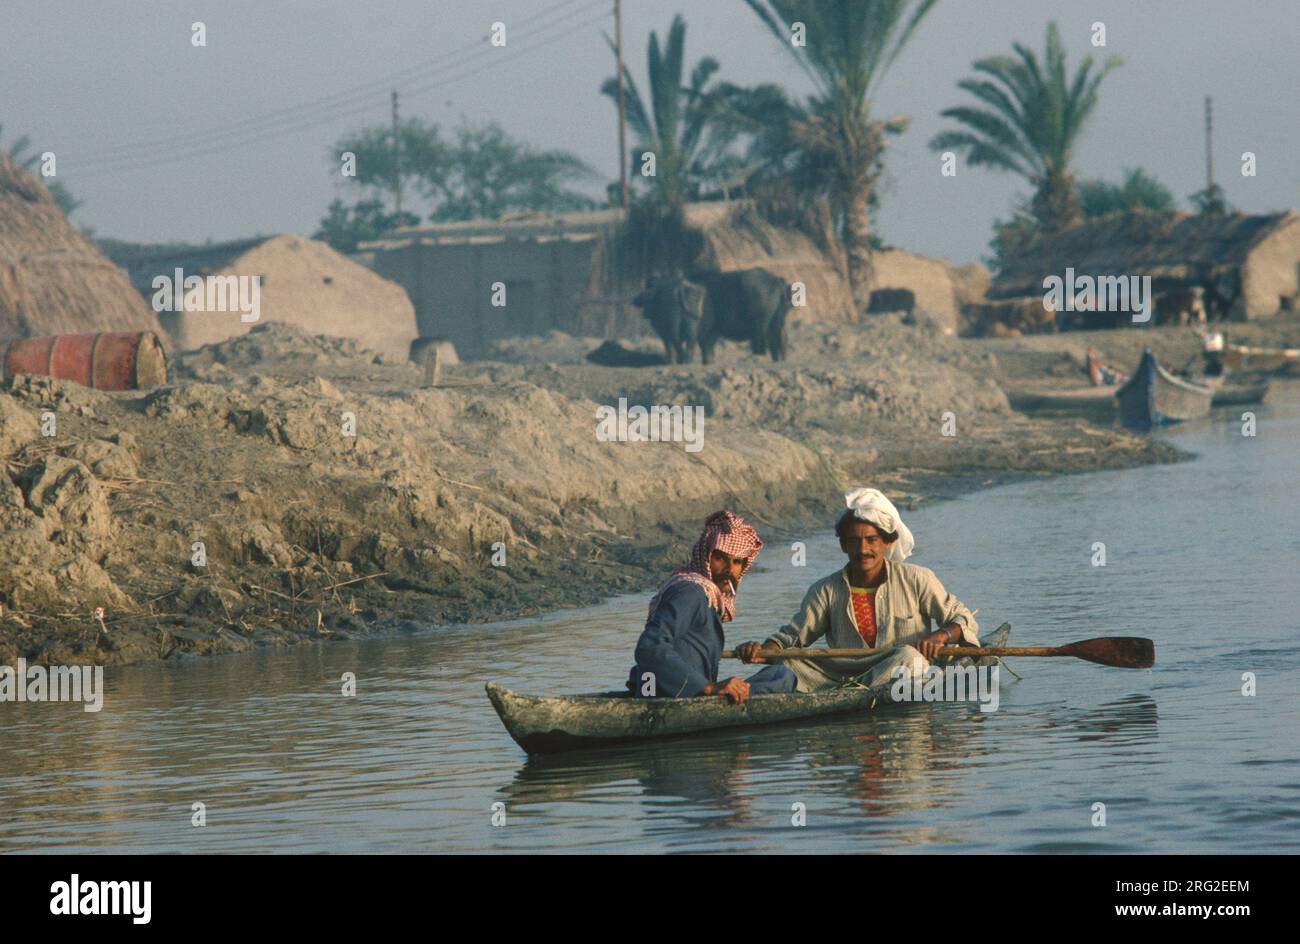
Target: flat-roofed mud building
568 272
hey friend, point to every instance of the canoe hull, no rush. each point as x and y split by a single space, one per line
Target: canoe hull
1240 394
1155 397
551 725
554 724
1094 403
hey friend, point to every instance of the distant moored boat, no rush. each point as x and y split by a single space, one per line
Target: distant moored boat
1155 397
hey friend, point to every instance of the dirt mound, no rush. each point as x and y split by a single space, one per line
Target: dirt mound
71 504
17 426
838 378
59 396
893 337
56 529
272 345
554 347
903 340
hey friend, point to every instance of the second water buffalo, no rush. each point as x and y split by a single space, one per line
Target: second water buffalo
674 307
749 305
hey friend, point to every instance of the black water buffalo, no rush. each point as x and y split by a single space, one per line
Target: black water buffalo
674 307
891 299
749 305
613 353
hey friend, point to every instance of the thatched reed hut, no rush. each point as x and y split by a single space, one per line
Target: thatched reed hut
302 282
577 272
52 278
1249 265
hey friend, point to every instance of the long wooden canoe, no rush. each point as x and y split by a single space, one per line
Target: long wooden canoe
1239 393
542 724
1095 403
1154 397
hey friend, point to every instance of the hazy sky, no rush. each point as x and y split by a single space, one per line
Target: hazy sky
165 141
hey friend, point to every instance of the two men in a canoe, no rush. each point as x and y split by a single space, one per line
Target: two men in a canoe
876 603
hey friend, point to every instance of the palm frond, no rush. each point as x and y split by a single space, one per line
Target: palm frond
905 35
997 98
978 151
773 17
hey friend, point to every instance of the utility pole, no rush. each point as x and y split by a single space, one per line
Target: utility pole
397 160
622 110
1209 157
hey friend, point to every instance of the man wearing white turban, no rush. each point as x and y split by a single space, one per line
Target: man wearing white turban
876 603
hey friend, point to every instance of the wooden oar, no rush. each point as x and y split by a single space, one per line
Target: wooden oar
1124 652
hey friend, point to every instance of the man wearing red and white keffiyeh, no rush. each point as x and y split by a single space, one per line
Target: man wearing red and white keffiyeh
722 555
680 648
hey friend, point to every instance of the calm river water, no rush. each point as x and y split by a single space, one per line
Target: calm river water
1200 556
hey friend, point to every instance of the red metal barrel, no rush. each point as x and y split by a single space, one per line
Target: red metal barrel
116 361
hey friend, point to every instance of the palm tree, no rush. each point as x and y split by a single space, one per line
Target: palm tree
1210 201
849 46
674 123
1032 123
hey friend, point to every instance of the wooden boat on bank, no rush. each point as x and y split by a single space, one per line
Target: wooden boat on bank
1155 397
1095 403
543 724
1240 393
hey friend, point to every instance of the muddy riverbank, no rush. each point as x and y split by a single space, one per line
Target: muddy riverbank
286 489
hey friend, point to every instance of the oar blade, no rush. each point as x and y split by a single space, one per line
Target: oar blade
1125 652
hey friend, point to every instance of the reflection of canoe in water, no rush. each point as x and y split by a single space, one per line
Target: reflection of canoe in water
1154 397
543 724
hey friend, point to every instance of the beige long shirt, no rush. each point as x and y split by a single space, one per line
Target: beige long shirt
910 604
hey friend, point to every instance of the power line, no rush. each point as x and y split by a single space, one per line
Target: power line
308 117
342 97
251 129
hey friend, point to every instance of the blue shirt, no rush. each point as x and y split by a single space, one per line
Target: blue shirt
681 644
